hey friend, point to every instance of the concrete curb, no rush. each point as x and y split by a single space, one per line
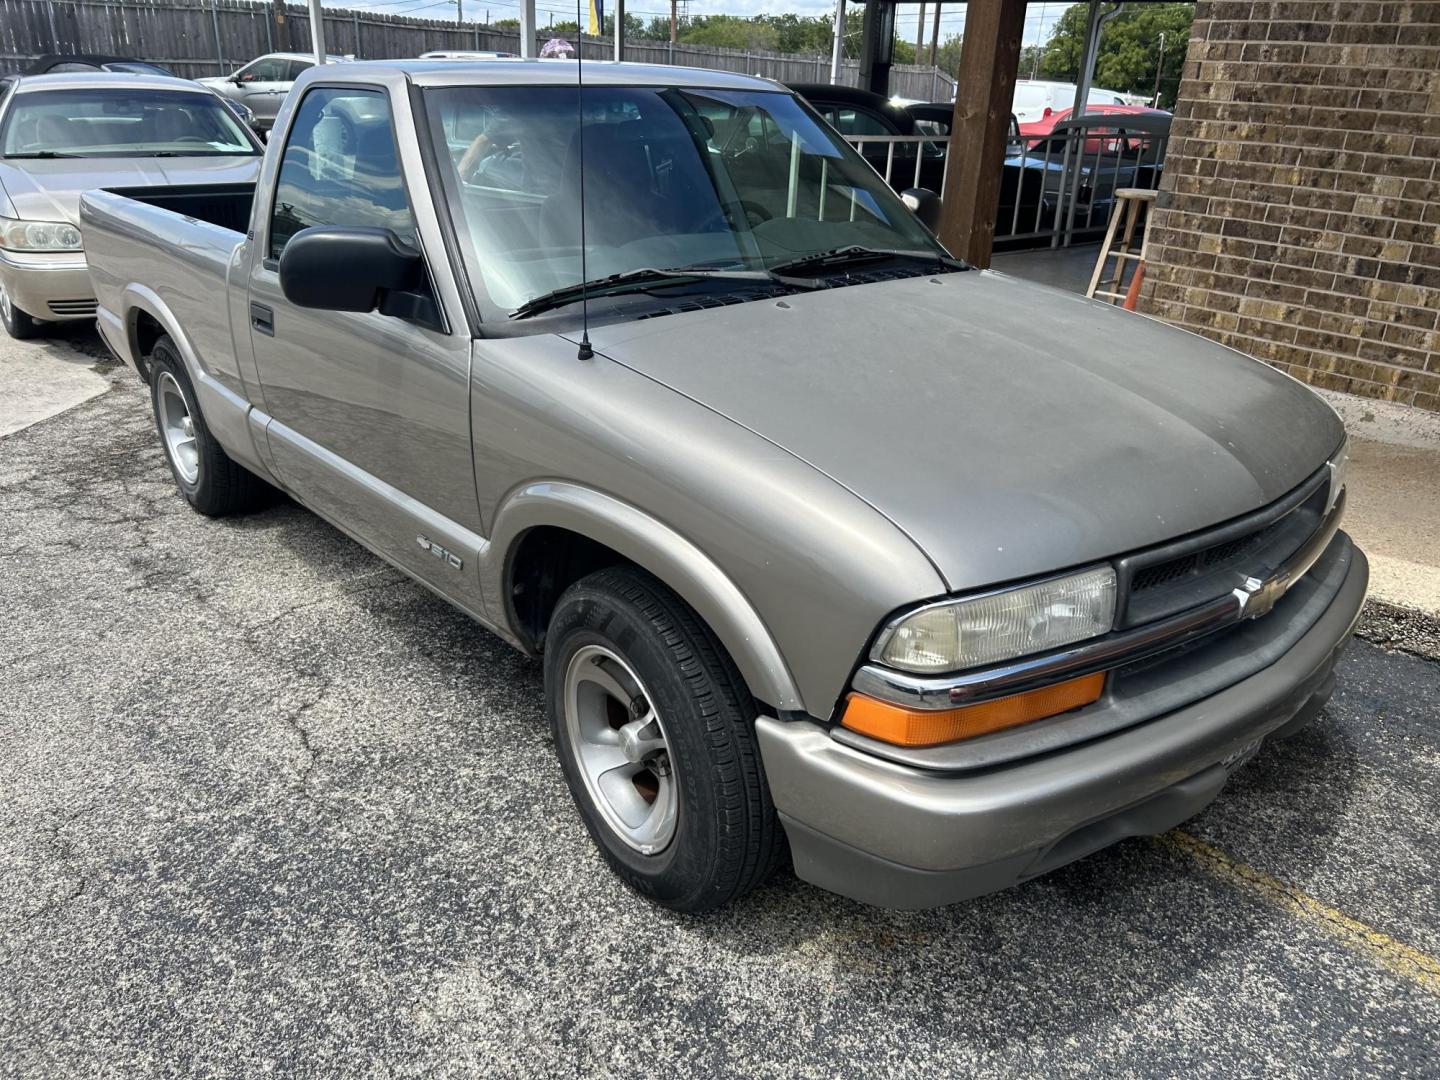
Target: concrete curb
40 379
1385 421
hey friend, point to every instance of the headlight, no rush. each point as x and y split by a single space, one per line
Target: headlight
38 235
1339 466
958 634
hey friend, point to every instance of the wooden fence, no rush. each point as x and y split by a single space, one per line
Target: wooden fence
194 38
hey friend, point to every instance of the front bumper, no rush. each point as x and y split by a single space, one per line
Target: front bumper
48 285
898 836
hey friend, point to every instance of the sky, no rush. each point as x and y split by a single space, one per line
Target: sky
1040 18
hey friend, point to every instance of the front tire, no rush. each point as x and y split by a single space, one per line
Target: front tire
18 325
209 479
656 735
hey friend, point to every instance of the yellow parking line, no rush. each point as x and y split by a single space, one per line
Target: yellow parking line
1395 956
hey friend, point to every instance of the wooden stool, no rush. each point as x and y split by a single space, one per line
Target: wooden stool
1128 202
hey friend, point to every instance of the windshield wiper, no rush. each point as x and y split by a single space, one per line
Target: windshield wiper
640 280
41 154
854 254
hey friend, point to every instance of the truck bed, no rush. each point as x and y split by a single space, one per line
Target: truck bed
226 205
169 252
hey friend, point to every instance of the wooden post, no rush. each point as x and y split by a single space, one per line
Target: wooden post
984 91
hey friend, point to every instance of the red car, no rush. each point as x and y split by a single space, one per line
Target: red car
1037 129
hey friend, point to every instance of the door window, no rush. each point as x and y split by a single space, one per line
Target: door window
295 68
340 168
266 69
861 122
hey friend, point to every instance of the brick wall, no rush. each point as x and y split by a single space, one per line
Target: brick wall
1299 218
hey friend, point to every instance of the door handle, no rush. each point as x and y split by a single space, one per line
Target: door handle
262 319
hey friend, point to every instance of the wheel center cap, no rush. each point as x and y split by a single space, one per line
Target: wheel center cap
639 739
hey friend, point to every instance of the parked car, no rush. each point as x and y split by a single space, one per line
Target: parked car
57 64
1043 126
1034 98
1103 155
935 118
821 534
63 134
262 84
858 114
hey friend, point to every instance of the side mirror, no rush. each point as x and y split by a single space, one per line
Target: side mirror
357 269
924 204
238 80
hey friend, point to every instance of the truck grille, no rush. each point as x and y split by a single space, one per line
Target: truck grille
72 308
1229 553
1189 572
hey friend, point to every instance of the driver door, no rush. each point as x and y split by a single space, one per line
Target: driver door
370 413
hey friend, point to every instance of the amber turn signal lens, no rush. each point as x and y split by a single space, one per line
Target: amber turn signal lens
918 727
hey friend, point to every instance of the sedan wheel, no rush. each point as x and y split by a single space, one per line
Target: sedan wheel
17 324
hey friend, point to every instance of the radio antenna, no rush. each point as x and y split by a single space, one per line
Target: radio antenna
586 352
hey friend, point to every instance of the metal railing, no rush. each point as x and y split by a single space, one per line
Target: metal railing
1054 187
929 150
1064 183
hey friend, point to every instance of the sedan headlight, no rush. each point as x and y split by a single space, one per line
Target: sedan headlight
957 634
38 235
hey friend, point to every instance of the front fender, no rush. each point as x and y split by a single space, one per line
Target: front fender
658 549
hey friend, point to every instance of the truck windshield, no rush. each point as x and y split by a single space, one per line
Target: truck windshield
674 178
115 122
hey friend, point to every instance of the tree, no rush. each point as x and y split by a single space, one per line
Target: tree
1129 49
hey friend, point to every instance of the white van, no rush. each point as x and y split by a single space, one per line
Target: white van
1033 97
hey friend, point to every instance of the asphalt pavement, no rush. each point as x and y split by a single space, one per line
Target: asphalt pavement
268 808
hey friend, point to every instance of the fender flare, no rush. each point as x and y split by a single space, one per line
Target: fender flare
658 549
135 298
228 415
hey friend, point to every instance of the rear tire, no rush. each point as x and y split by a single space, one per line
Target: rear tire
619 634
18 325
209 479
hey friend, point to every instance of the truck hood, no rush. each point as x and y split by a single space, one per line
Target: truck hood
1009 429
41 189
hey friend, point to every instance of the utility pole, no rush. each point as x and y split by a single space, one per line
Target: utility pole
674 5
460 13
1159 67
838 49
935 35
317 31
920 29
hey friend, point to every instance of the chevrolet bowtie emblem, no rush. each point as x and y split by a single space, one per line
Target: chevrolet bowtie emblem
1257 597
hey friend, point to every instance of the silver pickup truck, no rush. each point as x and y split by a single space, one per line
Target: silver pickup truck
831 545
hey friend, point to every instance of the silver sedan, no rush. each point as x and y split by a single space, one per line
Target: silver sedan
61 135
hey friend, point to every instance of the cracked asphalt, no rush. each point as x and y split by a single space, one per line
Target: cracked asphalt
267 808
